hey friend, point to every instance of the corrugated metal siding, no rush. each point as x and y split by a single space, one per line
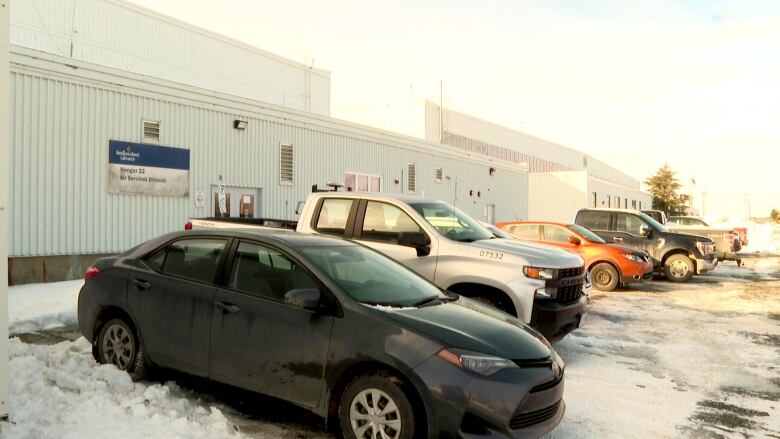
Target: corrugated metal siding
556 196
124 36
61 124
607 191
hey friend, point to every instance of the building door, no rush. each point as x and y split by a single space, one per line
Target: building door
240 202
217 212
490 213
247 206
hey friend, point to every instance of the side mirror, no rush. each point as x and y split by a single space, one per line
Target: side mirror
645 231
574 240
417 240
304 298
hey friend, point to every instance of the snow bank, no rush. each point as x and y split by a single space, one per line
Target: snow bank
38 307
59 392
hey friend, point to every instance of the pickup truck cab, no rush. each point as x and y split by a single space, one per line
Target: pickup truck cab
541 285
677 255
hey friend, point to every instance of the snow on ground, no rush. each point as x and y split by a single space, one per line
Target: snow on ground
39 307
59 392
669 360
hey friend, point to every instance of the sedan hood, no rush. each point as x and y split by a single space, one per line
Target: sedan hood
469 325
539 255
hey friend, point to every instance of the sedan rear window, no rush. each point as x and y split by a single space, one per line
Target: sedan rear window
194 259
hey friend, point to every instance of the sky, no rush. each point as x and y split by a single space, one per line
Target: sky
695 84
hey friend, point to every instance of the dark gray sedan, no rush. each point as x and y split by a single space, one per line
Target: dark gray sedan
325 324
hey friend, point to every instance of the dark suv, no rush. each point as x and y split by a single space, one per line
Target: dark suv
326 324
677 255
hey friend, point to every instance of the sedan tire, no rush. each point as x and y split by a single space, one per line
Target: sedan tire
679 268
118 344
605 277
376 405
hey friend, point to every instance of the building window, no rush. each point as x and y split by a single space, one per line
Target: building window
585 161
411 178
617 202
285 163
361 182
640 205
609 200
595 199
625 203
151 131
633 204
439 174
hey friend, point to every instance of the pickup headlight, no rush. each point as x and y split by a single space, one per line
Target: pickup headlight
635 258
705 248
539 273
475 362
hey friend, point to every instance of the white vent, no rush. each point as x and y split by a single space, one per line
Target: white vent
285 163
411 178
151 129
439 174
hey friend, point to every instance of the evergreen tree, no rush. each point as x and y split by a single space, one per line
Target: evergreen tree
663 186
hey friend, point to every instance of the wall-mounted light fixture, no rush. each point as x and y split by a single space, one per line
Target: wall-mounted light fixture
492 171
240 124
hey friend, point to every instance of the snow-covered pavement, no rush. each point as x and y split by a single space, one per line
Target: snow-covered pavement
40 307
658 360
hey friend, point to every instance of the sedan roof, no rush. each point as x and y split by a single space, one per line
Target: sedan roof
286 237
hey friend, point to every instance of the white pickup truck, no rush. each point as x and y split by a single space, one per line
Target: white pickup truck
541 285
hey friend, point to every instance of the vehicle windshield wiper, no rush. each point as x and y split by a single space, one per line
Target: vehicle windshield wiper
434 300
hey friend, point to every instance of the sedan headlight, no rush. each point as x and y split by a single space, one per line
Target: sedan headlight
475 362
635 258
539 273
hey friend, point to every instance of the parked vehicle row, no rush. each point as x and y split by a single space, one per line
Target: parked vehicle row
387 315
610 265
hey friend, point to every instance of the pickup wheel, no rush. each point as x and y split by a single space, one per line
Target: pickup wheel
605 277
679 268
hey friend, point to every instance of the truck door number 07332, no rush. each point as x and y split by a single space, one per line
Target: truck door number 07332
491 255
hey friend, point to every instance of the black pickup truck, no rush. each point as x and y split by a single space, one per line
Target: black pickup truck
677 255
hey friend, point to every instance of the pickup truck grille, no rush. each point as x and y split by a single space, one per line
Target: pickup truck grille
522 420
569 294
570 272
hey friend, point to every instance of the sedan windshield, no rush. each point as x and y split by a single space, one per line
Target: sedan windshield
590 236
372 278
451 222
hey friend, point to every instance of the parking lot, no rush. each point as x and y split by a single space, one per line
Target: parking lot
659 360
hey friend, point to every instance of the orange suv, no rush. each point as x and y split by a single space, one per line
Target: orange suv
610 265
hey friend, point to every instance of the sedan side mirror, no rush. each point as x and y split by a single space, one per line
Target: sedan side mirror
574 240
304 298
417 240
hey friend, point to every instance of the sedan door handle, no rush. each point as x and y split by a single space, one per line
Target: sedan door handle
227 308
617 239
142 284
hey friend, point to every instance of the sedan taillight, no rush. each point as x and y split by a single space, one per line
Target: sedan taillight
91 273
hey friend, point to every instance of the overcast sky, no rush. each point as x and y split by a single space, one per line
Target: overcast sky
634 83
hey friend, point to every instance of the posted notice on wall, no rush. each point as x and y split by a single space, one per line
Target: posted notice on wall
140 168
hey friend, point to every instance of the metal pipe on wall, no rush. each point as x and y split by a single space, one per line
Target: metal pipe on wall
5 158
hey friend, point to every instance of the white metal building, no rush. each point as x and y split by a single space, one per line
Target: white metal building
72 116
561 180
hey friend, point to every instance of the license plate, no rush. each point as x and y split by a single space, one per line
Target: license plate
570 282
